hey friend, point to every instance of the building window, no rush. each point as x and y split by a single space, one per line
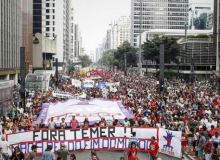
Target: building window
47 23
53 17
53 10
53 28
47 11
47 35
53 4
54 23
47 17
47 4
47 29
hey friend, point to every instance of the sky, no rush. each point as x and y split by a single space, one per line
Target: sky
94 17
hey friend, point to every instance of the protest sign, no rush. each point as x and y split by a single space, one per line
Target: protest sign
170 142
97 138
103 138
76 83
83 109
88 84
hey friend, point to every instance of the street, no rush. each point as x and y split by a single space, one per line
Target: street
115 155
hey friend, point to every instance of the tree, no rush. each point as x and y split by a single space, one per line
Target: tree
122 50
85 60
151 49
107 58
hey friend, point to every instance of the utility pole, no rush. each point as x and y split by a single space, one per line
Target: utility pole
217 36
125 64
140 31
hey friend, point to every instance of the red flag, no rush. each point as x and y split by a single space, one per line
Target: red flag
107 75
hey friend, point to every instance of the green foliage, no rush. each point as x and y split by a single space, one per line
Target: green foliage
122 50
202 36
151 49
85 60
107 58
191 36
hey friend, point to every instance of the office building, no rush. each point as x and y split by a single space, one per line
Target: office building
72 34
77 40
123 30
52 19
27 29
200 14
216 36
10 39
43 51
157 14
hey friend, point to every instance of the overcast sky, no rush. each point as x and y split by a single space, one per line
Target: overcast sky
94 17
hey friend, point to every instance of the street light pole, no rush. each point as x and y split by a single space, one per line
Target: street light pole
140 31
125 64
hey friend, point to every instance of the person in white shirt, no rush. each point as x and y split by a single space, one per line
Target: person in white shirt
204 120
5 146
8 130
208 111
209 124
215 122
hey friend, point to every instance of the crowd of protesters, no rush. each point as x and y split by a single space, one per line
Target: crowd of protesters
192 108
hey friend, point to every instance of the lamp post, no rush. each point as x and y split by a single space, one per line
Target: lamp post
178 65
125 64
140 31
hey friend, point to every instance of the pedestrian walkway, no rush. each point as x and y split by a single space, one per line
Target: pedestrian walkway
191 154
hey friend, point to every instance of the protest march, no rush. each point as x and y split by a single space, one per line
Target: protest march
101 111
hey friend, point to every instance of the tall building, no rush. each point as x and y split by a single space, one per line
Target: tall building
10 39
77 40
200 14
72 34
27 29
123 30
157 14
52 19
108 40
216 36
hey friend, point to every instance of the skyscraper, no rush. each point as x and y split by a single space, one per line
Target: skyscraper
10 39
216 40
52 18
123 30
157 14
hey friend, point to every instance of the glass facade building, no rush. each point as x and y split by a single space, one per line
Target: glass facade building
157 14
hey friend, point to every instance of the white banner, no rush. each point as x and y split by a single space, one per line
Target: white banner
113 84
88 83
60 94
170 142
103 138
6 84
100 138
76 83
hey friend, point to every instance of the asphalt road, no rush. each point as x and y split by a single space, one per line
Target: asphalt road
115 155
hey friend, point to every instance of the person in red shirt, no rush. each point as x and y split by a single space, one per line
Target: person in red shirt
133 152
73 123
212 130
184 140
153 149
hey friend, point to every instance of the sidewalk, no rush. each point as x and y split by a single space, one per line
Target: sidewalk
192 155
